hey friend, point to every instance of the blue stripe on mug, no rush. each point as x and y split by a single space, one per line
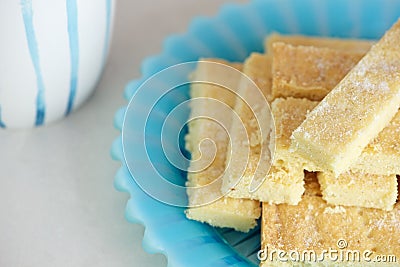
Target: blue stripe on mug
108 21
72 13
2 125
27 14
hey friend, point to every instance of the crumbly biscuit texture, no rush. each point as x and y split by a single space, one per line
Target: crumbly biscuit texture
382 155
359 189
308 71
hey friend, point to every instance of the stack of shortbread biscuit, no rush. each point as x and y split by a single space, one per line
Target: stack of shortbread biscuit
335 104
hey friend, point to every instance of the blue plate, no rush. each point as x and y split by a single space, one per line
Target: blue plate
233 34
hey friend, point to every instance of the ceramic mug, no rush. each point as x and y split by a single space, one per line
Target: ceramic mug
52 53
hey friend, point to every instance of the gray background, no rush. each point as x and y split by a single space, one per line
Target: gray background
57 201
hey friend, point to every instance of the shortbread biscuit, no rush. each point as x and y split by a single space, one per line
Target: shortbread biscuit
258 68
359 189
349 189
348 45
240 214
283 183
288 114
335 133
382 155
313 226
308 71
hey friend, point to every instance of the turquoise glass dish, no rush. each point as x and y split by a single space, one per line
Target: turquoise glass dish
233 34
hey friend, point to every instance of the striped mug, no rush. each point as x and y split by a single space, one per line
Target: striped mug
52 53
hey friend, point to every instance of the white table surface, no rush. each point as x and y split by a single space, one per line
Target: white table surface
57 201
